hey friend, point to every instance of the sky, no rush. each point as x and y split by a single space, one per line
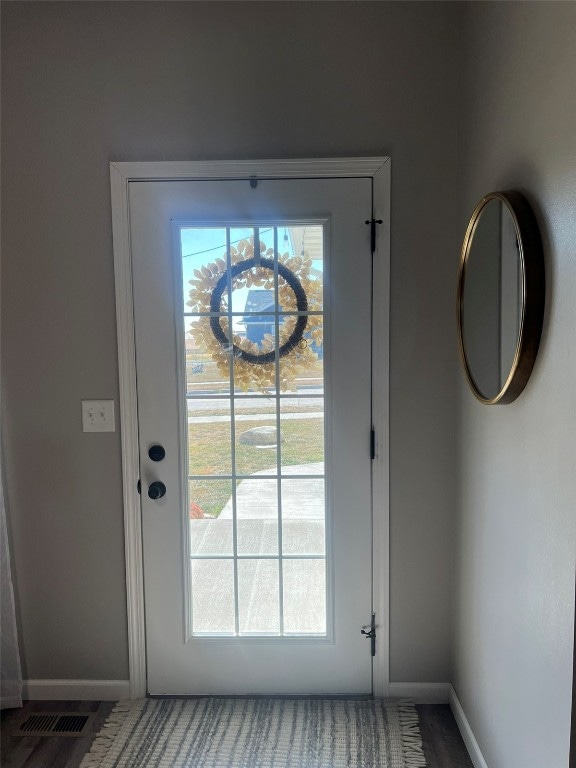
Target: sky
201 245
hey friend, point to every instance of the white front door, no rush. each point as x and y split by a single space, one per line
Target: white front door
252 313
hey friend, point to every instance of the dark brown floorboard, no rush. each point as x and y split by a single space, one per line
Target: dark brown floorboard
443 745
49 752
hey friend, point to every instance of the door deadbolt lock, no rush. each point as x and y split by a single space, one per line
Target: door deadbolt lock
156 452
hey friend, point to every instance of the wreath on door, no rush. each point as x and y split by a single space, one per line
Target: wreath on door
300 334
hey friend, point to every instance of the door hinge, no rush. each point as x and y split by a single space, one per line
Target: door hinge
372 444
369 630
372 223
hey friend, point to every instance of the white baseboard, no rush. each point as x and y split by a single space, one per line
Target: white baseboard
76 690
420 693
466 731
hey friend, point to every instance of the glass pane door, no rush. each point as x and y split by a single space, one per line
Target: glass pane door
254 384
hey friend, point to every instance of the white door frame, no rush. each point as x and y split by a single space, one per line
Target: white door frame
121 174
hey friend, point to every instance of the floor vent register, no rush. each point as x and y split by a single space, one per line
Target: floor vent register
56 724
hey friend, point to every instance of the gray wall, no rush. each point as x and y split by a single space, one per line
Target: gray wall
517 526
86 83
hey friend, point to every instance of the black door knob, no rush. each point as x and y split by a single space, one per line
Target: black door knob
156 490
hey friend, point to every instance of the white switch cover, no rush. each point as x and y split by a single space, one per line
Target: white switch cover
98 416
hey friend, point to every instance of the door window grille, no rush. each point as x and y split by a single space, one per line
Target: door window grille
255 432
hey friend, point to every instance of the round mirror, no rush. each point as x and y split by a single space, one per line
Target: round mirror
500 297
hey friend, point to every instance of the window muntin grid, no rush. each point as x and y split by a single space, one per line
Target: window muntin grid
249 539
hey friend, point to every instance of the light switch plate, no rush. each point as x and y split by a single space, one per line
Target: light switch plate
98 416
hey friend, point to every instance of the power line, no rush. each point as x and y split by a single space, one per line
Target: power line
218 247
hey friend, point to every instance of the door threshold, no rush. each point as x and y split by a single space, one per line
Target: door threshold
296 696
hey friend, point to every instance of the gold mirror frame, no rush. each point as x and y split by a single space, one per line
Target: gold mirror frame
533 293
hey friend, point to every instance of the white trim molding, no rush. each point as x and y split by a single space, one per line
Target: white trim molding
467 734
75 690
380 424
245 169
420 693
121 174
129 431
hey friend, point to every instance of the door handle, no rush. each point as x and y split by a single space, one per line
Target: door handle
156 490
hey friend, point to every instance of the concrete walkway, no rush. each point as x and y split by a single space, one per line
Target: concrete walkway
301 499
303 533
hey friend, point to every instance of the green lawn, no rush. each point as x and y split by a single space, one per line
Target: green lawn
209 454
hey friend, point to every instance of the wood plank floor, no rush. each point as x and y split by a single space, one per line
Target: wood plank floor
443 745
53 751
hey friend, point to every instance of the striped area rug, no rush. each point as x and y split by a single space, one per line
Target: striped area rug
259 733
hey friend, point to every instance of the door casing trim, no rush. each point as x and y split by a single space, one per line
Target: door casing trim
121 174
